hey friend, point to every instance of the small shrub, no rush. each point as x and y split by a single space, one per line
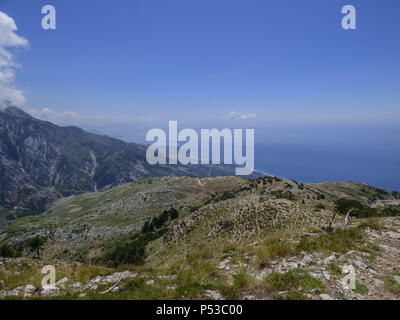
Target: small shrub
392 285
6 251
131 251
334 269
360 288
373 223
35 244
203 253
272 248
337 241
292 281
241 280
343 205
295 295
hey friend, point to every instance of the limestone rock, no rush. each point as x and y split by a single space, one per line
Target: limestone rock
29 290
324 296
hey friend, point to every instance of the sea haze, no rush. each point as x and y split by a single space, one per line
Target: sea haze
367 153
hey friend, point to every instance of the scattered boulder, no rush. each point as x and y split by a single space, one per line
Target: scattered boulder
16 292
215 295
62 281
330 259
50 292
76 285
150 282
360 264
327 276
324 296
29 291
389 249
306 260
112 278
224 264
393 235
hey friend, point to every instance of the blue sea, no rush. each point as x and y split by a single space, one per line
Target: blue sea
367 154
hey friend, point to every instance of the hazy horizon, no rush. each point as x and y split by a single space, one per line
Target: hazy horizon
324 102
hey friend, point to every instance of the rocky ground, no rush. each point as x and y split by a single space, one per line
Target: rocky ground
232 238
305 275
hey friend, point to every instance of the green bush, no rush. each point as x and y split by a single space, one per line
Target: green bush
241 280
131 251
6 251
391 211
160 221
344 205
35 244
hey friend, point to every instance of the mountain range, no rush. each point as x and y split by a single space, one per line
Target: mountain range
115 227
41 162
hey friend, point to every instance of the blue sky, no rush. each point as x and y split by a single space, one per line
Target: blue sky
282 60
286 68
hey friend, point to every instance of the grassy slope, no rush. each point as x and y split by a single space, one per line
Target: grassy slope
250 224
79 226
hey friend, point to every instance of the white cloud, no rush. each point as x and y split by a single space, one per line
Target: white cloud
66 117
73 118
8 39
238 115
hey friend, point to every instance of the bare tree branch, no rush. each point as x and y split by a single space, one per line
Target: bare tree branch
111 288
347 219
332 219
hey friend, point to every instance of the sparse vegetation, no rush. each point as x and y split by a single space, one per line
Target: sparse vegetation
131 251
35 244
271 248
343 205
226 241
360 288
297 280
242 280
7 251
392 285
337 241
334 269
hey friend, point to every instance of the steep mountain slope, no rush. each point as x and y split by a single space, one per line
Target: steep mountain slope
41 162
